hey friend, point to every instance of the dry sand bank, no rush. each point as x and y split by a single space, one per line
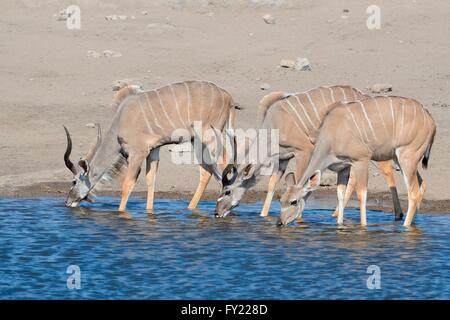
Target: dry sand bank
48 81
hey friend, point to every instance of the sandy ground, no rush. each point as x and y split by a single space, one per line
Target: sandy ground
48 80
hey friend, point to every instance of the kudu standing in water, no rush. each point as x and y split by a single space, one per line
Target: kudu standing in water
298 118
352 134
144 122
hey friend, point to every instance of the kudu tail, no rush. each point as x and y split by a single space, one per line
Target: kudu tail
124 93
231 122
269 100
426 155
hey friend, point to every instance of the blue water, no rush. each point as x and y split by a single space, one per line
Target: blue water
177 254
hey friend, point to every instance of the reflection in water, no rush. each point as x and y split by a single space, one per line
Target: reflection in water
175 253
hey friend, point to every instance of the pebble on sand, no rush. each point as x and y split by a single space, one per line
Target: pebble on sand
302 64
380 88
90 125
63 15
269 19
115 17
287 63
265 86
93 54
111 54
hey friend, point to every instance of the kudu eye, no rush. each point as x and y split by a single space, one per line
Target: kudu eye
228 192
294 202
74 182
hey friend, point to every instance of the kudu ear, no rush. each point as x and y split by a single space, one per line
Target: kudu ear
84 165
290 179
313 181
249 170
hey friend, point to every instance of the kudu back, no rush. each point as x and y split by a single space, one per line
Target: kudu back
142 123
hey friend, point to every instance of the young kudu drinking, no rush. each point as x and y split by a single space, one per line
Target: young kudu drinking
298 118
352 134
144 122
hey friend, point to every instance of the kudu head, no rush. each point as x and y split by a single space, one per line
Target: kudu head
81 183
236 180
294 199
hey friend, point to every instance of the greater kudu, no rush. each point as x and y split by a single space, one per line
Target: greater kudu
298 118
352 134
144 122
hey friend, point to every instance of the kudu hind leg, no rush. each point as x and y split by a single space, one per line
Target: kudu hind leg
386 168
131 175
274 178
343 178
152 164
409 170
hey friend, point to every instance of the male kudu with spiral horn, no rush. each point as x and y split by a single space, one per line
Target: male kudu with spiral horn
143 123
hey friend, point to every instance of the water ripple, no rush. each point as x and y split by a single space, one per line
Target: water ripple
178 254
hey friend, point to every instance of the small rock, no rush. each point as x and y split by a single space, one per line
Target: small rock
269 19
345 14
63 15
302 64
111 54
439 104
380 88
119 84
265 86
144 13
93 54
115 17
287 63
90 125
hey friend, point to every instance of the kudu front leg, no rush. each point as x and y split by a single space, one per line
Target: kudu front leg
205 177
361 169
351 183
274 178
131 175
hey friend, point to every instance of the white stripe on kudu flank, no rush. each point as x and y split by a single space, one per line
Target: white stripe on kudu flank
188 96
368 120
403 117
304 111
149 127
163 109
344 95
176 105
295 111
152 112
223 106
211 99
323 97
314 106
332 94
359 130
414 117
393 117
380 115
